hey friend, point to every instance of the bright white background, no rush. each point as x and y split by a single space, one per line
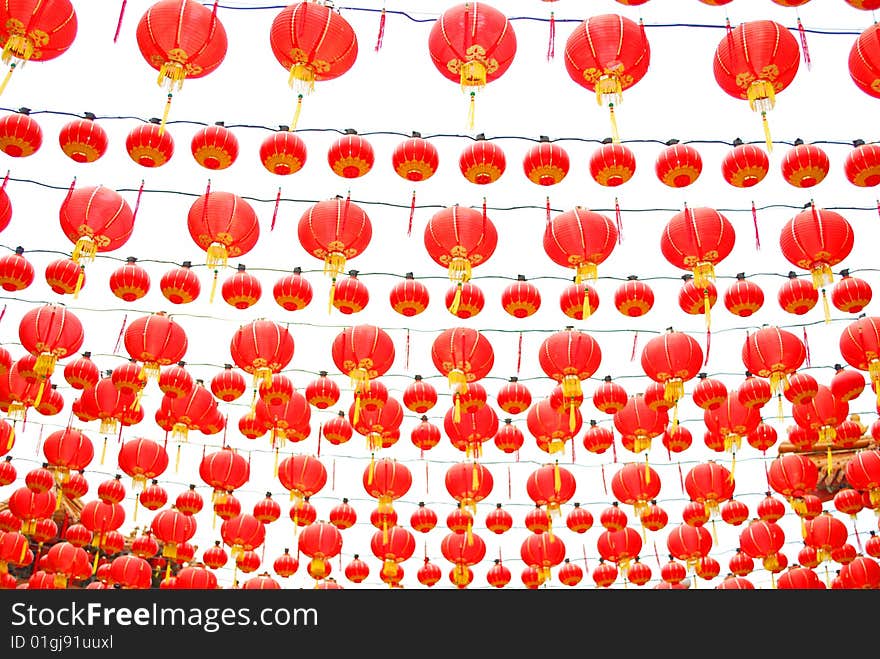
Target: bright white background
386 95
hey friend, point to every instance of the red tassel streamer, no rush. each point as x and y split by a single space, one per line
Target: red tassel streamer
70 189
225 426
412 212
548 208
509 483
119 22
680 478
572 449
137 202
619 220
803 34
657 555
333 475
584 552
632 356
121 330
551 45
5 181
381 30
275 212
320 432
3 312
426 477
406 365
708 346
518 350
755 223
878 207
614 451
806 347
604 484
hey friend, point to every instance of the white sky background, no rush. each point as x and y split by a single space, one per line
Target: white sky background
386 95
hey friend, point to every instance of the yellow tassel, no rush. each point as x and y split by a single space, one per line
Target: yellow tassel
585 308
39 397
134 514
168 570
213 286
779 414
217 255
707 308
704 272
456 410
828 460
79 282
302 77
732 466
165 115
357 408
647 470
456 300
615 137
103 450
332 295
275 467
472 111
826 307
11 440
7 77
572 419
767 137
372 469
177 459
673 390
58 499
586 271
475 478
299 102
557 478
95 563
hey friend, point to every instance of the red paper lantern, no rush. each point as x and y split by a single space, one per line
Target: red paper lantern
83 140
33 31
862 165
67 450
846 384
155 340
129 282
96 219
224 470
697 239
50 332
351 156
804 165
863 473
745 165
756 61
283 152
797 296
334 231
20 135
850 294
242 289
580 239
224 225
419 396
468 299
513 397
546 163
793 476
696 300
142 459
363 352
181 39
816 239
612 164
415 159
463 355
598 439
472 44
409 297
521 299
293 292
16 272
607 54
149 145
633 297
672 359
638 423
214 147
773 353
636 485
262 348
180 285
482 162
743 298
678 165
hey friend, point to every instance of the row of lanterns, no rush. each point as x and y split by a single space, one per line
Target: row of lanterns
546 163
470 44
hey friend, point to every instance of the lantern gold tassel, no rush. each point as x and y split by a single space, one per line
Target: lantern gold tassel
779 414
11 439
828 468
296 113
275 466
165 114
472 111
615 136
39 396
456 300
825 307
334 263
213 286
767 139
586 271
217 255
7 77
103 450
557 478
18 46
85 248
79 282
707 307
585 308
647 470
703 273
302 78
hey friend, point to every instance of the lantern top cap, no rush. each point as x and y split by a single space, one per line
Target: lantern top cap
672 142
798 141
416 133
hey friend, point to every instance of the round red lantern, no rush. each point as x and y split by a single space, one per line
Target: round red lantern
409 297
180 285
743 298
181 39
149 145
155 340
636 485
83 139
607 54
320 541
262 348
49 333
546 163
794 476
678 165
745 165
580 239
463 355
35 32
697 239
351 156
638 423
214 147
815 240
292 292
142 459
521 298
334 231
302 475
804 165
129 282
850 294
20 135
756 61
224 470
16 272
672 359
350 295
415 159
859 345
67 450
797 296
513 397
224 225
862 165
96 219
283 152
612 164
482 162
863 473
773 353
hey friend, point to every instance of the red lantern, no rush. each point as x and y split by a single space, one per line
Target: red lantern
609 396
302 475
214 147
460 239
242 290
863 473
242 533
181 39
386 480
180 285
129 282
49 332
292 292
775 354
672 359
363 352
580 239
797 296
579 301
314 43
598 439
793 476
228 385
708 393
816 239
551 486
155 340
463 355
67 450
224 225
756 61
95 219
743 298
709 484
472 44
638 423
153 496
546 163
409 297
415 159
283 152
509 438
20 135
521 299
224 470
846 384
569 357
850 294
16 272
482 162
802 388
607 54
860 346
149 144
804 165
745 165
469 483
731 421
262 348
419 396
862 165
612 164
83 140
689 543
393 548
351 156
357 570
513 397
636 485
350 294
678 165
697 239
